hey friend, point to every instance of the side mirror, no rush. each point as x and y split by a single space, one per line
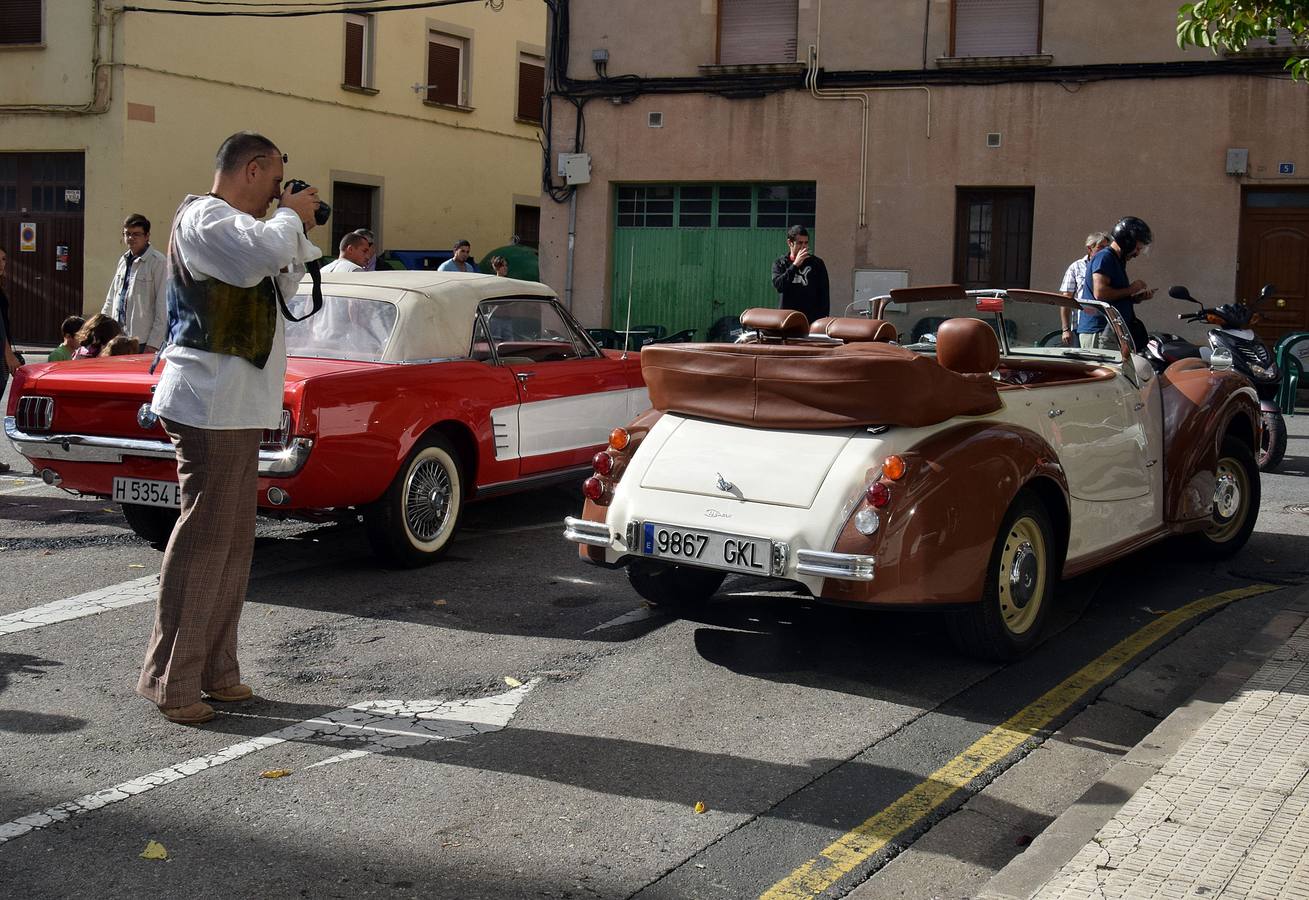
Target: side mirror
1179 292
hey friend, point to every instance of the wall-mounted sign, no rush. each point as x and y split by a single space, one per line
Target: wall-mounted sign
1286 168
61 257
27 237
71 196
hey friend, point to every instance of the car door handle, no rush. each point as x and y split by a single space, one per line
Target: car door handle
1054 413
523 376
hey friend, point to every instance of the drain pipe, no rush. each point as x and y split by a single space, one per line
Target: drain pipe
102 48
811 81
572 239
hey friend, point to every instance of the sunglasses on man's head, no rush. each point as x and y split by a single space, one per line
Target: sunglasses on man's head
285 159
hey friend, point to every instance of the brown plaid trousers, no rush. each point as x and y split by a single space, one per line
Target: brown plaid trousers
206 566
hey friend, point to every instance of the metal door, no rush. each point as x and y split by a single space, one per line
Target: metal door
42 197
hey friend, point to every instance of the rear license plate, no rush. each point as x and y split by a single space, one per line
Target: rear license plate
712 549
145 492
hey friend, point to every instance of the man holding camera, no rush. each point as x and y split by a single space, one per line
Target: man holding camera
222 386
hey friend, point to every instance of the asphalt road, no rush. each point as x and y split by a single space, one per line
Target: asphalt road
549 735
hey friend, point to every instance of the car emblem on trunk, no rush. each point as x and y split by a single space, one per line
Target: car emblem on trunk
715 514
146 417
724 484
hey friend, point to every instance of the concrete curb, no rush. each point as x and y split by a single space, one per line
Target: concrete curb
1077 825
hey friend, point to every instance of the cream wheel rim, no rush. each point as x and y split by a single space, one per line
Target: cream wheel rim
1022 575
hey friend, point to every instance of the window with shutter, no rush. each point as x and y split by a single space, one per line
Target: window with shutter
756 32
20 21
531 87
358 51
996 28
445 68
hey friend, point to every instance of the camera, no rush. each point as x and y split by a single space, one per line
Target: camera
323 212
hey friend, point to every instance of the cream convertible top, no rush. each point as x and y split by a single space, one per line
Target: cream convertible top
434 310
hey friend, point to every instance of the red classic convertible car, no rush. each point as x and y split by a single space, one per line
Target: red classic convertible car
407 396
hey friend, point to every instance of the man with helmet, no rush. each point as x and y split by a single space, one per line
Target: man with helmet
1106 280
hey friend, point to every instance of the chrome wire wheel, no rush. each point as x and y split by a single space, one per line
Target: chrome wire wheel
427 501
1022 575
1231 499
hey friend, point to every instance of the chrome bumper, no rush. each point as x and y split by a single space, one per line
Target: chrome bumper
582 531
845 566
90 448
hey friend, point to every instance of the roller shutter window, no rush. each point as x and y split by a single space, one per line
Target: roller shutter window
20 21
357 62
756 32
997 27
531 87
445 66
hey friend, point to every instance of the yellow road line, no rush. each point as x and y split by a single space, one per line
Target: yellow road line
842 856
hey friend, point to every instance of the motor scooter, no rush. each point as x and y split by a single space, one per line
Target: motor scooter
1249 357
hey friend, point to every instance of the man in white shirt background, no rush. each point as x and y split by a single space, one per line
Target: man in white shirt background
355 251
221 386
1074 278
137 298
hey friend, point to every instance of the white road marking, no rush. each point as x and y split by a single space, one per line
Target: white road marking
636 615
129 593
378 726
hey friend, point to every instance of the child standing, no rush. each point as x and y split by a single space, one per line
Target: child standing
72 325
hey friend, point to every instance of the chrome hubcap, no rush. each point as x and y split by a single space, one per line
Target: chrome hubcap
1227 496
427 500
1022 575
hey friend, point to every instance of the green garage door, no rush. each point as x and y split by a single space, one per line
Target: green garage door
693 254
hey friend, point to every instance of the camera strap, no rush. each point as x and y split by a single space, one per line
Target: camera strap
314 267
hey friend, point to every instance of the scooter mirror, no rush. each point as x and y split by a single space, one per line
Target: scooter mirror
1266 291
1179 292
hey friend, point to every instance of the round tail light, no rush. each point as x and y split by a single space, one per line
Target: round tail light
603 463
893 467
878 494
593 489
619 439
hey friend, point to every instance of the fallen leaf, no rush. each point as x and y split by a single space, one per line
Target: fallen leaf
274 773
107 509
1155 612
136 565
438 603
1269 561
512 681
154 850
700 807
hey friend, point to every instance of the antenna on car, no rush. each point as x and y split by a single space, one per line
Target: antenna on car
627 329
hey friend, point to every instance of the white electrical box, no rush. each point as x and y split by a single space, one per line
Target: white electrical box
575 168
1238 161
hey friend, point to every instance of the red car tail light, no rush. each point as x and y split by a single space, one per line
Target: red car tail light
878 494
603 463
277 438
595 489
35 413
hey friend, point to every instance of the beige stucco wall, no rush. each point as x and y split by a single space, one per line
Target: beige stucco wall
444 174
1092 153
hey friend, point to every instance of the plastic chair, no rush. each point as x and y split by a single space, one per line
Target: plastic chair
655 331
1288 363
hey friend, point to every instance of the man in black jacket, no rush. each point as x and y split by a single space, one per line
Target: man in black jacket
800 278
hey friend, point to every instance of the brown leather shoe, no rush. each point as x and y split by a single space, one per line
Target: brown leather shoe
233 694
193 714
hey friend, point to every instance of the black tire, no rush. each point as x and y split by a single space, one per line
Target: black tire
673 587
1272 441
1236 503
1051 339
1008 621
152 524
414 522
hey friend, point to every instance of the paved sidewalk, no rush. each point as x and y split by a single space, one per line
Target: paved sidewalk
1226 816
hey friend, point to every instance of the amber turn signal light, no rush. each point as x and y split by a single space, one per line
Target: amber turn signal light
893 467
619 439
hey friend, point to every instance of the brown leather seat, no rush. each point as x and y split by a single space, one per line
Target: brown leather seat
776 322
818 327
852 330
967 346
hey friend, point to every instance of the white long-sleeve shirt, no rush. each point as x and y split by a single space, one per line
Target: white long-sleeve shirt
145 316
215 390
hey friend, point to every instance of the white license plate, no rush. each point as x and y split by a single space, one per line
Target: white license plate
711 549
145 492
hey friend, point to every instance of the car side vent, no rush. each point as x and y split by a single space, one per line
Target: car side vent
35 413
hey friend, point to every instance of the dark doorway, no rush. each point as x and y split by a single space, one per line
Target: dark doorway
42 196
527 225
352 208
1274 249
993 237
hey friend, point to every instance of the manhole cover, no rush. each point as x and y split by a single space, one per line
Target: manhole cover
1298 509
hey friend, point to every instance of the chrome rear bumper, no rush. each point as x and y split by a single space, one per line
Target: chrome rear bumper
583 531
844 566
91 448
